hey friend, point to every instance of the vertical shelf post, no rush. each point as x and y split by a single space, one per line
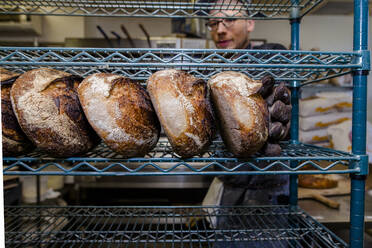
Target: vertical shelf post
360 44
295 45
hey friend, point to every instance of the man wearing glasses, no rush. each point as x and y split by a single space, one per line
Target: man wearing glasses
233 33
230 33
244 189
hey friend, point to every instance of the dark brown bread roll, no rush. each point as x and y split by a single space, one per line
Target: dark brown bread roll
14 140
121 113
47 107
182 104
281 112
278 99
241 111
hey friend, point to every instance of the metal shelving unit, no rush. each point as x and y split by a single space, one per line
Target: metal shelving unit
139 64
163 161
166 8
276 226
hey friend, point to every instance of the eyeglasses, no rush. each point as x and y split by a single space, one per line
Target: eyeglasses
213 25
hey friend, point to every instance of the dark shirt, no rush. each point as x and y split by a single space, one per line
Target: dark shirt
268 46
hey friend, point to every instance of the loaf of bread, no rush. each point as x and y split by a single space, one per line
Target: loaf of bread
14 140
242 112
183 107
121 113
316 181
47 107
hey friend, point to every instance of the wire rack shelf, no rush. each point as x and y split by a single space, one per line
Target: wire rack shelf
163 161
272 226
263 9
139 64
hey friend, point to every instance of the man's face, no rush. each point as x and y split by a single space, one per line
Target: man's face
236 34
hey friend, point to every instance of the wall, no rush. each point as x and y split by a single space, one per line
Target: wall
56 28
52 29
333 33
155 27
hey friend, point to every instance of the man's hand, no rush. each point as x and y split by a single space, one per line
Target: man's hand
278 100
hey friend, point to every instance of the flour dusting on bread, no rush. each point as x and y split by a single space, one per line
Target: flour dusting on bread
184 110
241 111
47 108
236 81
121 113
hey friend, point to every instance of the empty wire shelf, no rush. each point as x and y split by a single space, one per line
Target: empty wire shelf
139 64
163 161
263 9
268 226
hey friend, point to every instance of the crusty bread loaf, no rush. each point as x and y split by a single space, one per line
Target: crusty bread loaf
47 107
241 111
14 140
182 104
317 181
120 111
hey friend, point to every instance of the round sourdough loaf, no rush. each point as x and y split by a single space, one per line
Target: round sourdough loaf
121 113
183 107
14 140
47 107
242 112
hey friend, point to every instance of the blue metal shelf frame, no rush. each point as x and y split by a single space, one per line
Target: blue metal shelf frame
264 9
216 161
295 46
139 64
357 201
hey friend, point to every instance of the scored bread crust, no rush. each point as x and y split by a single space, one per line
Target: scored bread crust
14 141
121 113
47 108
184 110
242 112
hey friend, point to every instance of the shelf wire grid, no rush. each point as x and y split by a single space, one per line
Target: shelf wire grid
257 9
108 226
139 64
163 161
